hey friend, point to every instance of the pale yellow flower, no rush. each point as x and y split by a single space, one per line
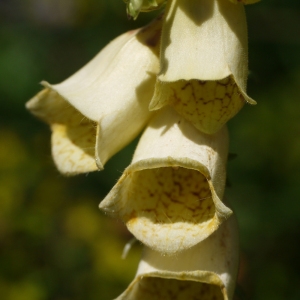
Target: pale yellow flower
184 75
203 62
102 107
170 195
206 271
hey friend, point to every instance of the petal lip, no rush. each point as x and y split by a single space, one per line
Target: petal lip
223 212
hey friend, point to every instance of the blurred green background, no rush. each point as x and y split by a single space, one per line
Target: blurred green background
54 242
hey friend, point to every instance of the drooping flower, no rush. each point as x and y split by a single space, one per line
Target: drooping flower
102 107
204 272
170 195
203 62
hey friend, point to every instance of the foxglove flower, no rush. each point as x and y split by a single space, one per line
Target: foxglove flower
102 107
205 271
203 62
185 76
170 195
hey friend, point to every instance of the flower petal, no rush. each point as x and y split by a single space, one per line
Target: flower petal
205 271
169 197
204 64
113 90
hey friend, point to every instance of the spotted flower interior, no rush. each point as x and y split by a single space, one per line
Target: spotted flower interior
174 289
167 208
208 105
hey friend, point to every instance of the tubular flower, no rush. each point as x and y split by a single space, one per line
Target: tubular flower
203 62
102 107
170 195
205 271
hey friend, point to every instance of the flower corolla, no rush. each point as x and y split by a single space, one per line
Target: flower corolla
203 62
102 107
170 196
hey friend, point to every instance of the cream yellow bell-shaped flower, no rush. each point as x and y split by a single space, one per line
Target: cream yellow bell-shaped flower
102 107
204 272
170 195
203 59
